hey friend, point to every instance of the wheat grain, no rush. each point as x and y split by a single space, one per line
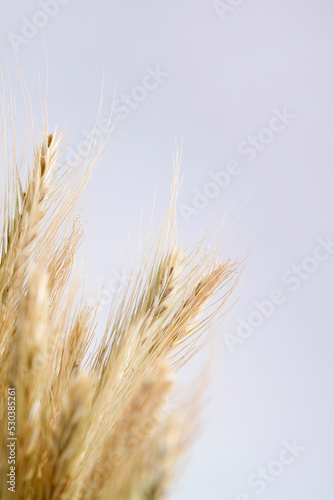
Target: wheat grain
93 418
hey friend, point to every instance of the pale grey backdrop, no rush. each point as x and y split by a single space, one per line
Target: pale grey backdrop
220 72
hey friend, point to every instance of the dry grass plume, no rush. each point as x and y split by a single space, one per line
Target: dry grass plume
93 420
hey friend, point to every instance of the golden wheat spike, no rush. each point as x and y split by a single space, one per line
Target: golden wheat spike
93 416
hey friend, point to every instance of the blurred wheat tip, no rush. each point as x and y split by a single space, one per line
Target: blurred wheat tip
87 416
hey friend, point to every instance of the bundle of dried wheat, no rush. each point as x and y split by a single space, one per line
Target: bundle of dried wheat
83 421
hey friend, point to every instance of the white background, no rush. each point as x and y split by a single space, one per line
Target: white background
227 73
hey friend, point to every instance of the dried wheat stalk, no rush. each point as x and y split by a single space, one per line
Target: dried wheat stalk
93 422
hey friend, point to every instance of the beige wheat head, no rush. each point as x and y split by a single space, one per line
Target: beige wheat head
93 415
